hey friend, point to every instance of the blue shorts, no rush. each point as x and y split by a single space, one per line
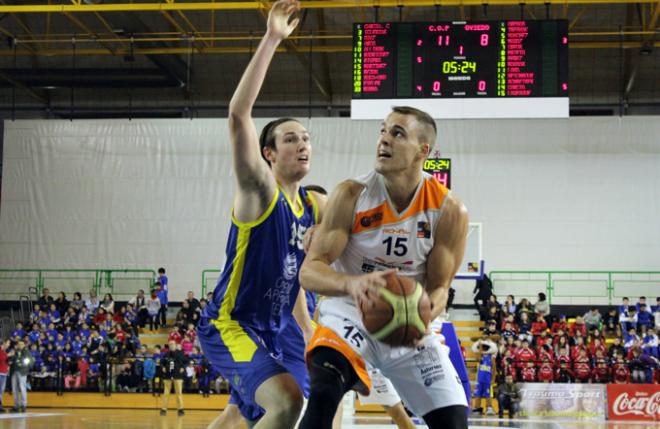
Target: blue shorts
482 390
246 371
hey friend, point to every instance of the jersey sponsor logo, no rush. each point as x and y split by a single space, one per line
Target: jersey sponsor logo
396 231
366 221
423 230
370 265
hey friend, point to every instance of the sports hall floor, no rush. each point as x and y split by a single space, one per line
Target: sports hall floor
147 419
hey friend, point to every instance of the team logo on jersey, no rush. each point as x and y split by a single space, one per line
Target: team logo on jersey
423 230
368 220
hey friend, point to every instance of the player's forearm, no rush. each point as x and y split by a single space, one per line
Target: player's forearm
301 315
438 301
319 277
253 78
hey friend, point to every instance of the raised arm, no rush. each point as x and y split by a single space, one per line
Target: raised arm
329 243
447 253
256 184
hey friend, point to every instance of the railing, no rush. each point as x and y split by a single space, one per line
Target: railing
209 280
121 283
577 287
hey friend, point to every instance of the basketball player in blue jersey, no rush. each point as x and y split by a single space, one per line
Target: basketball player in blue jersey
248 331
349 260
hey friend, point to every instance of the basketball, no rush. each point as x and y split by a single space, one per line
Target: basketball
401 314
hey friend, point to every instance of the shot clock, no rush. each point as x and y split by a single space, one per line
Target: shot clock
462 69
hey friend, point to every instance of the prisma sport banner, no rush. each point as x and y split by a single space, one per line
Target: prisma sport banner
563 401
634 402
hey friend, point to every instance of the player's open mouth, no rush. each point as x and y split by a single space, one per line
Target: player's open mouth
303 158
384 154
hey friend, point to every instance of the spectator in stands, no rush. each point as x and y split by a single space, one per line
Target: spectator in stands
601 373
508 331
640 302
578 325
592 319
539 325
615 349
650 344
541 306
163 289
525 327
77 302
620 371
45 299
628 319
560 324
641 366
525 353
510 304
524 307
175 336
491 328
192 301
611 321
92 303
139 303
582 367
595 346
21 363
54 314
153 309
508 396
546 371
657 319
108 304
172 366
562 344
631 340
655 307
564 374
4 369
62 303
528 372
625 304
149 371
644 318
17 332
483 289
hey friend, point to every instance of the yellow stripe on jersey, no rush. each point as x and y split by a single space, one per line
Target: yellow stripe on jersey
237 341
297 213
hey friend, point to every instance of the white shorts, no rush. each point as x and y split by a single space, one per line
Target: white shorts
423 376
382 391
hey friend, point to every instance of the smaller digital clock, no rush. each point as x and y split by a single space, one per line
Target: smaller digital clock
450 67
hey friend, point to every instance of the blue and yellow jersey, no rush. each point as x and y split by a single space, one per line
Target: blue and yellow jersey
259 284
485 370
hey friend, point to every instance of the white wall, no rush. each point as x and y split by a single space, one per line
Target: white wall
582 193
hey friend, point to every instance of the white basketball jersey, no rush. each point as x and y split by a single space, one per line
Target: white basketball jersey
383 238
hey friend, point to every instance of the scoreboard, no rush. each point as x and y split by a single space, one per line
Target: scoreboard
440 168
461 69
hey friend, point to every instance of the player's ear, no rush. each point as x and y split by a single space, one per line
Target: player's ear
268 153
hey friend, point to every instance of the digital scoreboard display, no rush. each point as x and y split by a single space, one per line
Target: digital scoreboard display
440 168
493 68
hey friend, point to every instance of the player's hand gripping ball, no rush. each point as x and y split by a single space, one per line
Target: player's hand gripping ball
401 314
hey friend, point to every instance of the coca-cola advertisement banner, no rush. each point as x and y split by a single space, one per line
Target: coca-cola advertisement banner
563 401
634 401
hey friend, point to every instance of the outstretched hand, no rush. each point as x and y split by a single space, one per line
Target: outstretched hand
279 16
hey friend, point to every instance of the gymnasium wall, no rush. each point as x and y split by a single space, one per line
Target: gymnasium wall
582 193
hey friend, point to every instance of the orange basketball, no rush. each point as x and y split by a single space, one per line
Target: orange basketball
401 314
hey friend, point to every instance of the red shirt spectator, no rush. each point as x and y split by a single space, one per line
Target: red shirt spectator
541 342
582 368
546 372
528 373
83 366
525 354
577 349
564 375
579 325
4 362
544 355
601 374
539 325
621 373
175 336
595 346
561 324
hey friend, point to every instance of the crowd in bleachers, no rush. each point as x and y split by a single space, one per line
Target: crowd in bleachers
94 344
534 345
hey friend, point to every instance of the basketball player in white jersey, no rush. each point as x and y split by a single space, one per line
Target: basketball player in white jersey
395 218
